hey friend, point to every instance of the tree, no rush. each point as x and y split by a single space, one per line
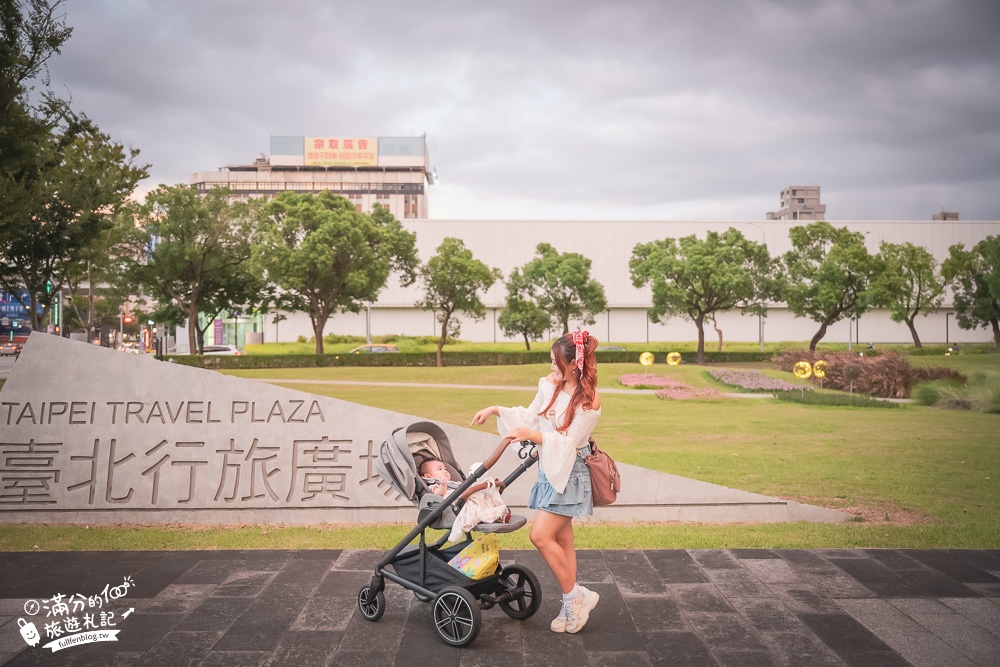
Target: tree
195 255
827 274
53 206
325 256
103 266
452 280
695 279
523 318
908 284
31 32
974 276
559 284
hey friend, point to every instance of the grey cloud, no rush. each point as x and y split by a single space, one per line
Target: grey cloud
608 107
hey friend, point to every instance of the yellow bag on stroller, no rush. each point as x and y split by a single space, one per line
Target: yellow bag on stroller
480 559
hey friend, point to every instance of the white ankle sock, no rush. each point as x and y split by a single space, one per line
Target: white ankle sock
575 593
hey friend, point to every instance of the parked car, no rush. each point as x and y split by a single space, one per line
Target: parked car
374 349
610 348
130 348
9 349
231 350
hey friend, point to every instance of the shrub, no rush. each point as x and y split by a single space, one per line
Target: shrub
886 373
753 381
816 398
983 396
336 339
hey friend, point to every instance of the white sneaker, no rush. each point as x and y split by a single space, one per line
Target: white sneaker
559 622
579 610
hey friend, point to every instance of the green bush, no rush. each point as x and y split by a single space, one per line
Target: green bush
427 359
839 400
982 396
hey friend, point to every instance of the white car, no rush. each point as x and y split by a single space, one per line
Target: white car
230 350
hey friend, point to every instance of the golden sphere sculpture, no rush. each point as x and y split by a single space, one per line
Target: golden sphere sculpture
803 370
674 358
646 358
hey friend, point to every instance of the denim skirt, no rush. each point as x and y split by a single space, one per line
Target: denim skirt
575 501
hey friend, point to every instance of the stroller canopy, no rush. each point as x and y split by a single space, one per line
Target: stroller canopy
400 457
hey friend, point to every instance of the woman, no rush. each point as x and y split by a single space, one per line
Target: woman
560 420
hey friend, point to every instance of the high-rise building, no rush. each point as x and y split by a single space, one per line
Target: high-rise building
799 202
391 171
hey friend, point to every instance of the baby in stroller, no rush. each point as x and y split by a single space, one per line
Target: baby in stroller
484 505
415 461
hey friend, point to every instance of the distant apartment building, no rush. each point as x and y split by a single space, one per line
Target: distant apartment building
799 202
945 215
391 171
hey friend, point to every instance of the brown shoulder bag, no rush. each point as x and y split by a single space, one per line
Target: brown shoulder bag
605 482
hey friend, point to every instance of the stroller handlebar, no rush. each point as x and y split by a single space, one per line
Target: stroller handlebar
498 452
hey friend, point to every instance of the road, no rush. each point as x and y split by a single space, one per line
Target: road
6 364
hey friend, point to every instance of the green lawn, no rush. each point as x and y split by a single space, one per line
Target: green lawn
913 477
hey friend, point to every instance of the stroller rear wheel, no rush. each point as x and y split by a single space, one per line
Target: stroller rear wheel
371 605
528 599
457 618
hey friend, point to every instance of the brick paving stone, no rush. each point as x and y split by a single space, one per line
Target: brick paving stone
984 613
700 598
676 649
903 634
658 607
738 584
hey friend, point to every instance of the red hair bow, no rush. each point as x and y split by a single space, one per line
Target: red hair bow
580 340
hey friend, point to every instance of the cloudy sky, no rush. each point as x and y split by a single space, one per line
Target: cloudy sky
571 109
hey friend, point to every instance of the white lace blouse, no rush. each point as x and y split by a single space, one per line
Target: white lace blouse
557 451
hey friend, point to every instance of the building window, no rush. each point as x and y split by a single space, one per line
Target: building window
410 206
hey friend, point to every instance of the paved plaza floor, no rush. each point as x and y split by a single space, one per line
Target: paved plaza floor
736 607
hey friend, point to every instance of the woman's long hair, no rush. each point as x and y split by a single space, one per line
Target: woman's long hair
564 351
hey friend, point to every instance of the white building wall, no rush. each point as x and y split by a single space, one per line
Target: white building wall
608 244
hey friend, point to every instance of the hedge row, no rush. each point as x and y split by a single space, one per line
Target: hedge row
430 359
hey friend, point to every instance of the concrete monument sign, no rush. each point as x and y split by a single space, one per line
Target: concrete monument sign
92 435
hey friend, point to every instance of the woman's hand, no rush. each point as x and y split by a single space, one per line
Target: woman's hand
484 414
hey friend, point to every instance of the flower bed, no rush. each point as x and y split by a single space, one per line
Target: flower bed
687 393
650 381
753 381
667 387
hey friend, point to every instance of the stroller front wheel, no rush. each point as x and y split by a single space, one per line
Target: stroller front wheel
371 605
457 618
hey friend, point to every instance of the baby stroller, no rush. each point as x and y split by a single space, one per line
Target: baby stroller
423 568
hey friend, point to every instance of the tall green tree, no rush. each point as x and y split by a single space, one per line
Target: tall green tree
452 280
974 277
98 283
559 284
195 254
828 272
53 206
325 256
31 33
523 318
908 284
695 279
61 179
